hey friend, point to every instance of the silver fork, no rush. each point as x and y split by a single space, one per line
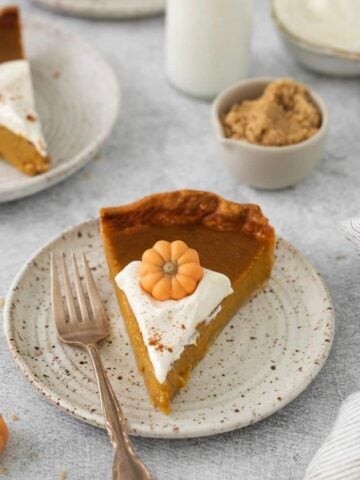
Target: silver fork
84 326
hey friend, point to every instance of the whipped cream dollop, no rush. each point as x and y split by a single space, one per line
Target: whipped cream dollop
17 105
327 23
168 327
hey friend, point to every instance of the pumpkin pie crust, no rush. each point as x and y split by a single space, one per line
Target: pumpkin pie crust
233 239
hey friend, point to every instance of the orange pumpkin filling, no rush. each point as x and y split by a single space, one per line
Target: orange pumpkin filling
10 34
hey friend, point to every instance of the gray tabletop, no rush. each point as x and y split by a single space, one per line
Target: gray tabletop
163 141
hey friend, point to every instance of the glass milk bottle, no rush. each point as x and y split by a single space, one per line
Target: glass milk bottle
207 44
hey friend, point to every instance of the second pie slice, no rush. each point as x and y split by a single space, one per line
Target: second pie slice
21 139
182 264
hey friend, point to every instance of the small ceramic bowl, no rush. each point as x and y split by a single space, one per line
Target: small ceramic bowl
265 166
321 59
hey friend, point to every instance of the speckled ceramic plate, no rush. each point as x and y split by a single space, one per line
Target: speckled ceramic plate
77 97
268 354
106 8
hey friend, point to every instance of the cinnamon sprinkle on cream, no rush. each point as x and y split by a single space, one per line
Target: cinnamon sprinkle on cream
30 118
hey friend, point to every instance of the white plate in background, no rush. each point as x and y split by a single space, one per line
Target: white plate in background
106 8
77 98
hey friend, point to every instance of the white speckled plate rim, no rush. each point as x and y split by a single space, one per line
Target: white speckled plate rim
111 9
67 168
144 430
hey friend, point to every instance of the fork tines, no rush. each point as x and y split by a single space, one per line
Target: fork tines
84 306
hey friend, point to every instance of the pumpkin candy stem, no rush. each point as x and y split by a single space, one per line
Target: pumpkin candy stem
170 270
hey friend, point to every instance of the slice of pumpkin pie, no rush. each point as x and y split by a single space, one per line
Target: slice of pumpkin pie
182 264
21 140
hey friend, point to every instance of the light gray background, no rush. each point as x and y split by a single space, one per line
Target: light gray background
163 141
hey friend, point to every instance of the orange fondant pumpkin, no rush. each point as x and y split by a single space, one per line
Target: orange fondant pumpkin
170 270
4 434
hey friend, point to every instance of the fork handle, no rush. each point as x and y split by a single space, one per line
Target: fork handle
127 466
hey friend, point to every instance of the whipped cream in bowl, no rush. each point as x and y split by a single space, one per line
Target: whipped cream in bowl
327 23
169 326
322 35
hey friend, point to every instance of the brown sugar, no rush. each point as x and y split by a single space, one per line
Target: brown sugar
284 115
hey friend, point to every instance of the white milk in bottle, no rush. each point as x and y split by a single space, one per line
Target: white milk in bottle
207 44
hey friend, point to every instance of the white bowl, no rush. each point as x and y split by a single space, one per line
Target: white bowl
265 166
318 58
